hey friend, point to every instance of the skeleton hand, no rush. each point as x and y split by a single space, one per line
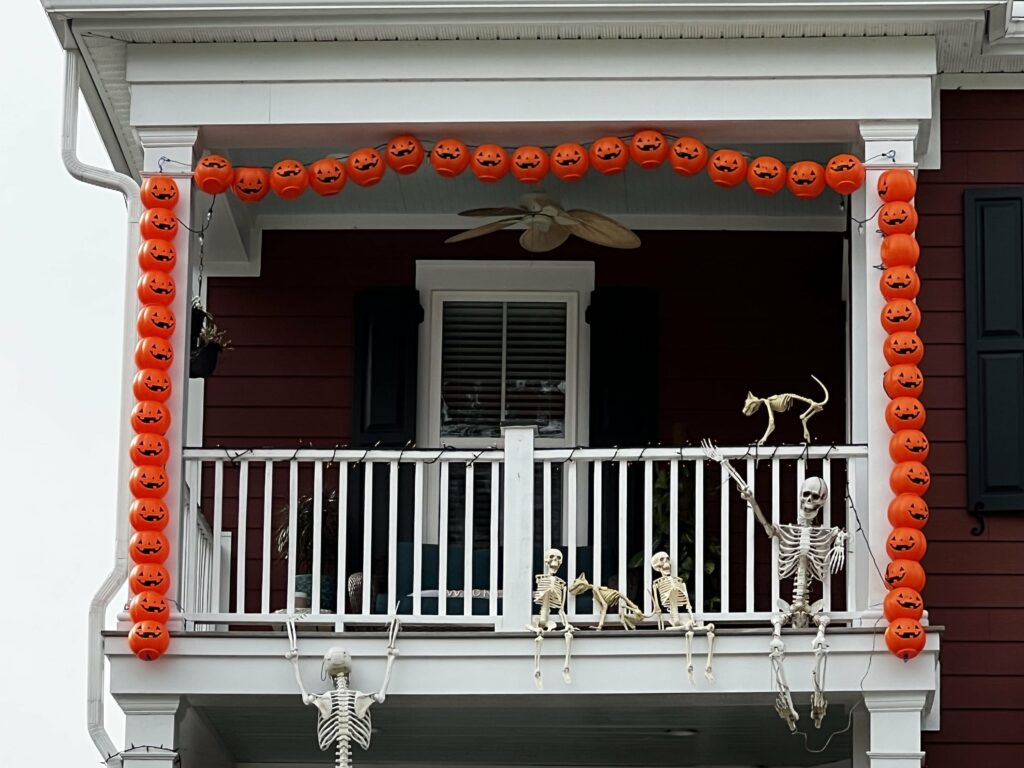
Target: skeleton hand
837 555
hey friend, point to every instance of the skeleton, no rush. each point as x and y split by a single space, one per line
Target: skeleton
550 595
669 593
344 714
605 597
782 403
806 551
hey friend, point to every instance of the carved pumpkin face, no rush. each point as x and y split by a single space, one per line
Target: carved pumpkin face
327 176
897 218
155 320
901 315
908 511
903 381
158 224
766 175
688 156
149 606
910 477
154 352
899 283
148 481
904 573
903 603
148 640
903 347
905 638
151 384
251 184
897 186
159 192
404 154
530 164
158 255
908 543
727 168
449 157
288 179
909 445
844 174
904 413
148 515
213 174
648 148
149 448
806 179
365 166
155 288
609 155
147 547
569 162
900 251
151 576
150 416
490 162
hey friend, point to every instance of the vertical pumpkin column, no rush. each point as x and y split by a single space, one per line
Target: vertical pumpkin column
905 415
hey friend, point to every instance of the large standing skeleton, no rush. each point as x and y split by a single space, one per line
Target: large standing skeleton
670 594
549 594
806 551
344 714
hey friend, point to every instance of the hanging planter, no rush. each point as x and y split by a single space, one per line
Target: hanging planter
206 343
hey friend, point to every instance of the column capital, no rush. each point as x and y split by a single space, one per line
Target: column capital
149 704
901 701
889 136
174 142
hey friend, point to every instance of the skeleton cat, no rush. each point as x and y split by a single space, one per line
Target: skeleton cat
782 403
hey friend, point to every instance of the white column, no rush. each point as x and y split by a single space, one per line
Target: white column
868 399
517 576
895 740
151 731
169 152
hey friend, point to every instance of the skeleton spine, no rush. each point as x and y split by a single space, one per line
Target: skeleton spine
340 703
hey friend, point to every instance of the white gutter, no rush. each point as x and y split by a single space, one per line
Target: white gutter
118 575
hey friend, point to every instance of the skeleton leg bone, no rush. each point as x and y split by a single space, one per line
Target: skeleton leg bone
538 641
784 698
819 704
566 672
710 631
689 654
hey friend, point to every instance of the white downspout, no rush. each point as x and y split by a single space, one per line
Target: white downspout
118 575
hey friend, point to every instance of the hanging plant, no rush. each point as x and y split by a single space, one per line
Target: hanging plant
207 342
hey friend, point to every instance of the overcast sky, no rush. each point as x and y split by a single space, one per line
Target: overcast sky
61 268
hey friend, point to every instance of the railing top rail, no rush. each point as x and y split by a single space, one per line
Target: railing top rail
729 452
351 455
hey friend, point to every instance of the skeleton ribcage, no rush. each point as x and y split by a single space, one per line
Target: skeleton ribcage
798 541
343 722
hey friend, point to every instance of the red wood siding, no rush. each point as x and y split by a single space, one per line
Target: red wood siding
975 584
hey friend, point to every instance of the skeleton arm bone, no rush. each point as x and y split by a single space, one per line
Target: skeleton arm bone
293 656
393 630
745 491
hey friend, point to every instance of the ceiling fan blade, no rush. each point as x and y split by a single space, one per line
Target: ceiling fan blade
537 240
486 229
601 230
493 212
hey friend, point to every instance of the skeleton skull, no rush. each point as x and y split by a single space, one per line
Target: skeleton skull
813 495
553 560
337 662
662 563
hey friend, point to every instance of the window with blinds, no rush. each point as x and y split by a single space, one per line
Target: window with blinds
503 361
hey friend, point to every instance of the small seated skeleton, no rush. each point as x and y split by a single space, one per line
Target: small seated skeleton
344 714
670 594
550 595
782 403
604 598
806 551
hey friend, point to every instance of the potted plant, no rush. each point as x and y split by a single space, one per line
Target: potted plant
207 342
304 546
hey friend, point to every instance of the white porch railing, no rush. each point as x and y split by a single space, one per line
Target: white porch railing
425 532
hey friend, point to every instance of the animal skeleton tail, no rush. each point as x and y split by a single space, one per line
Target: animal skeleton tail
823 389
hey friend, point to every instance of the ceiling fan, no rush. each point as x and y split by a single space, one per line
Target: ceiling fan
548 225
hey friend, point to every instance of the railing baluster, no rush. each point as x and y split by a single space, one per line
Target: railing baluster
598 537
393 595
495 507
623 515
546 492
648 548
243 517
293 530
673 514
442 548
318 532
826 521
776 516
191 592
724 485
341 600
218 526
417 541
852 566
467 547
570 514
367 535
268 524
698 533
751 478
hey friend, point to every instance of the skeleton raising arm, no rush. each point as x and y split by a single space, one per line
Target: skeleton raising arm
745 491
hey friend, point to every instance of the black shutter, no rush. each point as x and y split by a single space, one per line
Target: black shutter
994 286
384 386
623 367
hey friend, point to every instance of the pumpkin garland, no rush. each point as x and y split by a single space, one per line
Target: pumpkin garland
905 415
569 162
